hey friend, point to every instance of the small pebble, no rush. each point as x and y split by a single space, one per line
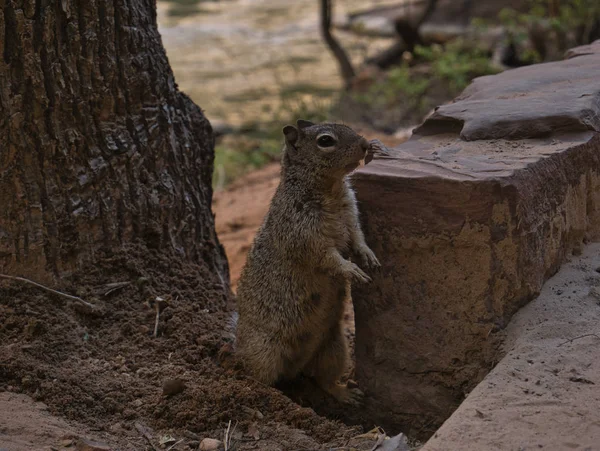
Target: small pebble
210 444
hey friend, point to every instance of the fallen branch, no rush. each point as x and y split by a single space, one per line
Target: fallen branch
577 338
35 284
226 441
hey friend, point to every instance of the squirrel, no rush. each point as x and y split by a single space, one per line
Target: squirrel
297 275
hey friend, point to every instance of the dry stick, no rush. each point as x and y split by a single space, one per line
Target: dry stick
68 296
112 287
156 321
577 338
232 432
227 436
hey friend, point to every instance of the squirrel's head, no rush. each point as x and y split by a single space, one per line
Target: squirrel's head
333 149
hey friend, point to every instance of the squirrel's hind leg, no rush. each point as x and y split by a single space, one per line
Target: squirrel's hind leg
261 358
268 361
329 364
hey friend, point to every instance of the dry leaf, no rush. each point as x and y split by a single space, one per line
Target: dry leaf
396 443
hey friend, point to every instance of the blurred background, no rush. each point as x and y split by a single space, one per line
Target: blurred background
253 65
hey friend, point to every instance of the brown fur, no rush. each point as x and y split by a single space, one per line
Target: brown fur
297 276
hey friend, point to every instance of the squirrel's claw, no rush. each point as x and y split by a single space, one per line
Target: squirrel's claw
356 397
352 271
368 257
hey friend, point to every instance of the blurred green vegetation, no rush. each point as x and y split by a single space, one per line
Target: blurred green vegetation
430 76
457 63
550 27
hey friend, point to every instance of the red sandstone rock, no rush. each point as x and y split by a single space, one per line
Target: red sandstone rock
529 102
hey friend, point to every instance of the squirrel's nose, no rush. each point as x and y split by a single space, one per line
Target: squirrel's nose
364 144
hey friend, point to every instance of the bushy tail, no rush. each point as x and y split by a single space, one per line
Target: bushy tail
231 328
232 323
226 355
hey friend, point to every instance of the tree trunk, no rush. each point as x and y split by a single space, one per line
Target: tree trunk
410 32
346 69
98 148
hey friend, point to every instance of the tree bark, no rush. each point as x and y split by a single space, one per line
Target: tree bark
98 148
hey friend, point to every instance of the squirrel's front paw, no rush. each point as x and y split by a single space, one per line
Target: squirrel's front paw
367 257
352 271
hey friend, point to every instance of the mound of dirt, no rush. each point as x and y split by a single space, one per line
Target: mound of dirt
106 370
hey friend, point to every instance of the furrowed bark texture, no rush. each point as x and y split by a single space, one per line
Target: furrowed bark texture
98 148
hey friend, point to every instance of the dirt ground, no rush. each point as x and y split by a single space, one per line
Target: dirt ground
28 425
104 370
73 373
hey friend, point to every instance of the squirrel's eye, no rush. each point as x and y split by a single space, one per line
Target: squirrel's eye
326 141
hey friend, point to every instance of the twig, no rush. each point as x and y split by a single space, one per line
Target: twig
577 338
31 282
175 444
144 431
226 441
159 305
229 436
112 287
156 322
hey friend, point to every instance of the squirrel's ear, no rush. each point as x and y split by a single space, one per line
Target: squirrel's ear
291 134
301 123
